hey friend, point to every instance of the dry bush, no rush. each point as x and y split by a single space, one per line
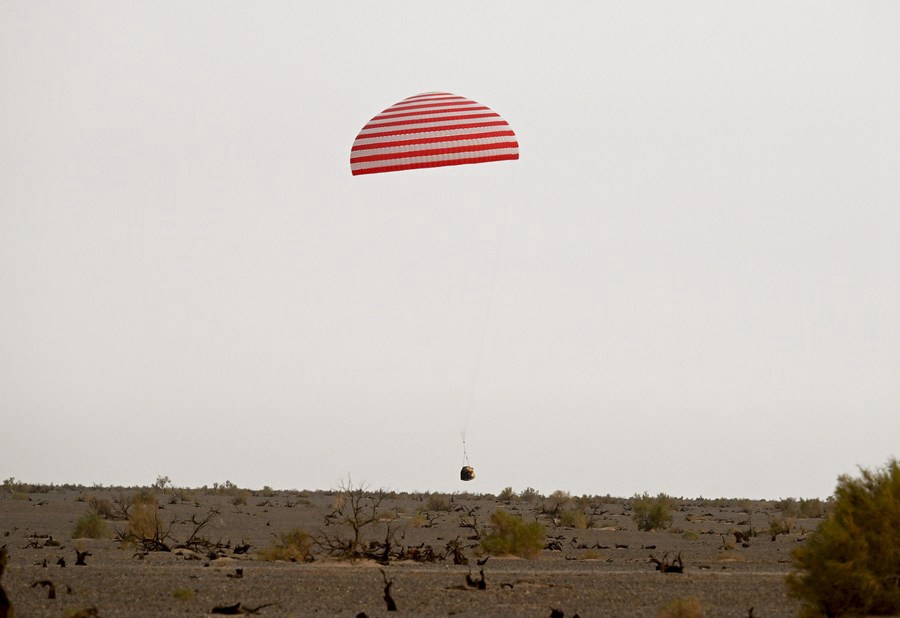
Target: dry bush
103 507
509 534
812 508
293 546
240 497
507 495
438 502
780 525
356 511
685 607
574 518
851 564
555 503
143 518
530 494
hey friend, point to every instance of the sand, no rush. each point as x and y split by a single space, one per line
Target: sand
604 570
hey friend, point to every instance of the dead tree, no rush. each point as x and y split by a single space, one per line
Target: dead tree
194 540
391 605
470 520
356 510
6 606
51 593
664 566
455 548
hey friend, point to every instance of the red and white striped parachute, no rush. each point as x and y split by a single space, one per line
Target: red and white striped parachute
432 129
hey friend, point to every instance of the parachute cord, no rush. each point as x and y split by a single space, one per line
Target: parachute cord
469 402
465 454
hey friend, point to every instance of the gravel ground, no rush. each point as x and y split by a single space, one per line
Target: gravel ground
601 571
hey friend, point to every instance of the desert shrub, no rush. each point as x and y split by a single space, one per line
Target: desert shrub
851 564
556 502
183 594
91 526
507 495
102 507
437 502
652 513
356 510
788 507
229 489
239 497
685 607
811 508
574 518
183 494
293 546
162 483
510 534
780 525
530 494
143 518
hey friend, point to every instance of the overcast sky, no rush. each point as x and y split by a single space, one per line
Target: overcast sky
689 283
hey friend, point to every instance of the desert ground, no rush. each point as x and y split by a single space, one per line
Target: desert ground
216 549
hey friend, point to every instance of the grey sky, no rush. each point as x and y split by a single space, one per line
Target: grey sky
689 282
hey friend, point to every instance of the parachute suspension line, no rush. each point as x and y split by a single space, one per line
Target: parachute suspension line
465 454
469 403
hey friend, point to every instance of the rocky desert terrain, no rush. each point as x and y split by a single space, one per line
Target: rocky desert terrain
80 551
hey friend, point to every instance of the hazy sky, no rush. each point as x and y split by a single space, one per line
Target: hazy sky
689 283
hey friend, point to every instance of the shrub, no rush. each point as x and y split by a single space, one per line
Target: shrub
574 518
507 495
102 507
438 502
849 566
686 607
293 546
556 502
812 508
652 513
239 497
509 534
143 519
780 525
91 526
530 494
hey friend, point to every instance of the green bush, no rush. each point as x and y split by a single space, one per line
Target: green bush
851 564
91 526
509 534
652 513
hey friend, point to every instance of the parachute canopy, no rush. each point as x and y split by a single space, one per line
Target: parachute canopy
432 129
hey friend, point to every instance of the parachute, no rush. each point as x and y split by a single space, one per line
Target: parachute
432 129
